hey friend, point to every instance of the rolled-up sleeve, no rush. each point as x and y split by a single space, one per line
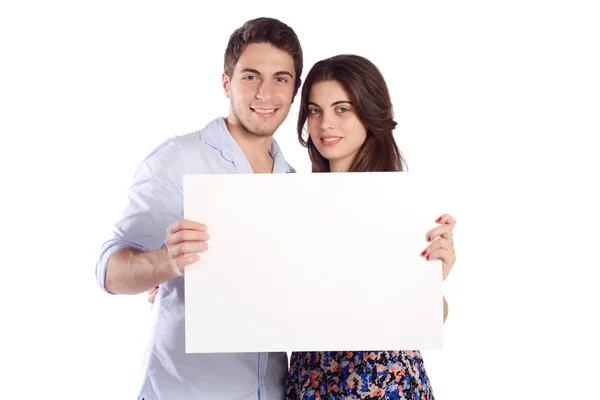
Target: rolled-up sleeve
154 201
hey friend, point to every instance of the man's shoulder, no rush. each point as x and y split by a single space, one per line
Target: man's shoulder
194 139
164 154
173 148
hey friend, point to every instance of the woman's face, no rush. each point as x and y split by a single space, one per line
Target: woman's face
333 124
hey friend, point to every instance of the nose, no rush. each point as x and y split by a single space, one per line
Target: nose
265 92
326 122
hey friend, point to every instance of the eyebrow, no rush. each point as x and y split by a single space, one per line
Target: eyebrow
335 103
253 71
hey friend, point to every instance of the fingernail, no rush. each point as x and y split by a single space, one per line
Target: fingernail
429 238
424 252
155 287
427 258
438 220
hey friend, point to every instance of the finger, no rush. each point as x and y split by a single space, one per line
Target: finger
183 261
186 224
445 255
186 235
443 231
152 295
154 289
439 243
446 220
187 247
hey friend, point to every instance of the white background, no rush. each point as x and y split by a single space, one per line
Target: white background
500 101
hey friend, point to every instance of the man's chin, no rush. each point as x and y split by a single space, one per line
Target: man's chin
265 130
263 133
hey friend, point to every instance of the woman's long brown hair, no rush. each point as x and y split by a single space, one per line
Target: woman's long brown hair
366 87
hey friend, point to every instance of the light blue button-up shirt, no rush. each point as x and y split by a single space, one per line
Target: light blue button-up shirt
155 201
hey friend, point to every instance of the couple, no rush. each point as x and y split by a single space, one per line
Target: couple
346 108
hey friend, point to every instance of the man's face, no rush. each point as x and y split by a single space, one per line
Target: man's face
261 89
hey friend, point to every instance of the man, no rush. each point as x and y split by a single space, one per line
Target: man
263 65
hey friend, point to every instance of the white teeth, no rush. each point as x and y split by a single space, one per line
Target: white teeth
264 110
333 139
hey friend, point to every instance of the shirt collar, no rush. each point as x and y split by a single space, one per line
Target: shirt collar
218 136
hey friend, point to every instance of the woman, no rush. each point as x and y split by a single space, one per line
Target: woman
345 106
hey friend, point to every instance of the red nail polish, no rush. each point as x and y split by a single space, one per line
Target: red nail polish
155 287
424 252
429 238
427 258
438 220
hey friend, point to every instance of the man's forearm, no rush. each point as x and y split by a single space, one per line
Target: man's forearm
131 271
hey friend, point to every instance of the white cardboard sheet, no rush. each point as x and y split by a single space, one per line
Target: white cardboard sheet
313 262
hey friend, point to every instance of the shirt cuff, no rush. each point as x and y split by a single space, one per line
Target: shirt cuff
110 248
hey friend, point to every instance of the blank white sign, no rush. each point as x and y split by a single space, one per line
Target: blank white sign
313 262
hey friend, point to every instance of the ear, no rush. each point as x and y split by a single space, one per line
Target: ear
226 83
296 90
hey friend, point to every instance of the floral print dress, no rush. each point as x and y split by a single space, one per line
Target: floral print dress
358 375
